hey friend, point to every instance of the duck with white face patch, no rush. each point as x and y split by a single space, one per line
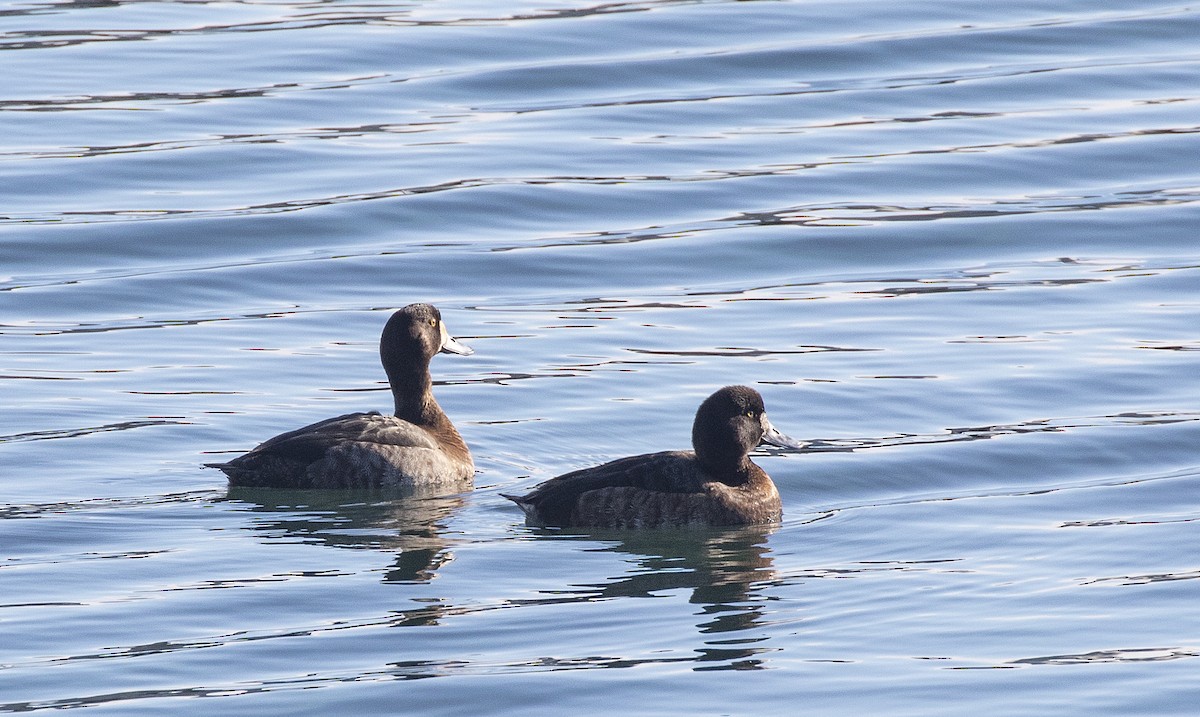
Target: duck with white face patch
416 447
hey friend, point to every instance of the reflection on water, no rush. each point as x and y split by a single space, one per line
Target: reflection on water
402 523
725 570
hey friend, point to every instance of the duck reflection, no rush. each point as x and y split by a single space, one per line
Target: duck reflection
409 524
725 569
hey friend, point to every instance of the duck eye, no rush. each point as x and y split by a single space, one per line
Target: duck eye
433 322
750 413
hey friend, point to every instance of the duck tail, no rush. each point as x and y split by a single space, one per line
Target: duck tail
523 503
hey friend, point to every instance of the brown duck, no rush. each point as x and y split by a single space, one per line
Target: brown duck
716 484
417 447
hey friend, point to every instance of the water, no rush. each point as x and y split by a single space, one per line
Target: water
953 244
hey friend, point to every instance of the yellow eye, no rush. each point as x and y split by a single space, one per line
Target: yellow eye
749 414
433 322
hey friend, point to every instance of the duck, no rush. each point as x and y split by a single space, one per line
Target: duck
416 447
715 484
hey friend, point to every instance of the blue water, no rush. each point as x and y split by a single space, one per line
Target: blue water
955 246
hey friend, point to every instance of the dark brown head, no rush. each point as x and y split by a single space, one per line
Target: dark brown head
728 425
412 336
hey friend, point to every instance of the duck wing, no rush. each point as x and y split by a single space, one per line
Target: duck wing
554 502
313 440
292 452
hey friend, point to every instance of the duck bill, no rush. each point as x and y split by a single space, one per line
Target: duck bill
450 345
774 437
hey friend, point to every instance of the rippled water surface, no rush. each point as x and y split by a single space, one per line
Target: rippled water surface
955 246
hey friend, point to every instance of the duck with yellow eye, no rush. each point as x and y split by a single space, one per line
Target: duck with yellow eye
417 447
714 484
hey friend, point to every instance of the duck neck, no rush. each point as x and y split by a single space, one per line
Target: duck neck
413 395
412 392
731 470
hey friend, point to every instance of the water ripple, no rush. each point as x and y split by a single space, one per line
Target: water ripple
89 430
1131 654
978 433
860 214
